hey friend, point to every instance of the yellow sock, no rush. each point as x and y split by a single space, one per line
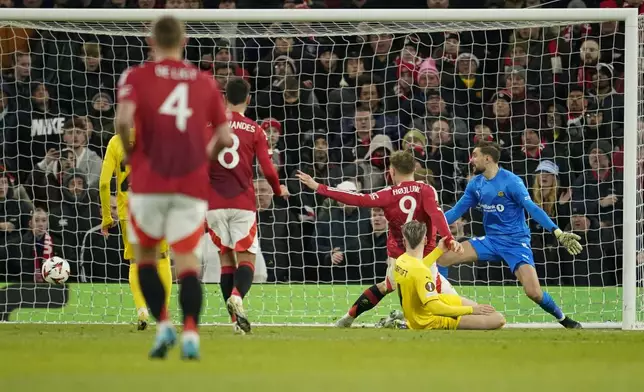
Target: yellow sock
137 294
165 274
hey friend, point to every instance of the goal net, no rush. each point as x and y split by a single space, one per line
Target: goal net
336 99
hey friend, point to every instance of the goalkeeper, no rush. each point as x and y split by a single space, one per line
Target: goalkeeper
113 165
423 307
503 199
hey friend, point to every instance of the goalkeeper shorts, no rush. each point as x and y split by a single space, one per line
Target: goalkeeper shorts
514 251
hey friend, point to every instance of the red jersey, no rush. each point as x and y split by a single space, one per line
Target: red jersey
410 200
231 175
175 103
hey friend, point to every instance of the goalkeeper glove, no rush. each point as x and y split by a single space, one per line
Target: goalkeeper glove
570 241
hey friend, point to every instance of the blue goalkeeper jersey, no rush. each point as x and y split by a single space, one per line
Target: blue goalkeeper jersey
502 200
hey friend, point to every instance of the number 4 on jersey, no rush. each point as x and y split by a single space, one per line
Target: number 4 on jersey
176 105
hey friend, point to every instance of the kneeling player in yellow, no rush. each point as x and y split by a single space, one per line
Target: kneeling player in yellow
113 165
423 307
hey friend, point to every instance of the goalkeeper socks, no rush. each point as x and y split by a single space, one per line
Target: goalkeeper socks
443 270
243 278
190 299
548 304
367 301
153 290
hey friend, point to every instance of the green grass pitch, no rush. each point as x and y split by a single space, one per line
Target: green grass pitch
102 358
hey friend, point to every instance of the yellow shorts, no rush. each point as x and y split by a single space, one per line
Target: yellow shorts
128 252
441 322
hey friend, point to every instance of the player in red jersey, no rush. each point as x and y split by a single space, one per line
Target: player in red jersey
406 201
174 109
232 206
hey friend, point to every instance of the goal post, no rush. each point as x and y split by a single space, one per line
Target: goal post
318 302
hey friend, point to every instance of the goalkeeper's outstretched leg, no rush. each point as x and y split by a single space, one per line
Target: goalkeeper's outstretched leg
519 258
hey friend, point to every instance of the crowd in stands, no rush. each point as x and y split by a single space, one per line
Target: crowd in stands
335 107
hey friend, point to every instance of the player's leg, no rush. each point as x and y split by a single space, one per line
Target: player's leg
164 269
527 275
243 234
481 322
369 298
148 215
218 229
475 322
184 229
473 250
133 279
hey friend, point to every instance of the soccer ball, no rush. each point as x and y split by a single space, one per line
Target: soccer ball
55 270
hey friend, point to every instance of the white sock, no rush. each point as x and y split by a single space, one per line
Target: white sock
349 317
190 336
162 326
142 312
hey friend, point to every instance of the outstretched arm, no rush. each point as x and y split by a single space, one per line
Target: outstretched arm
433 209
467 201
379 199
519 194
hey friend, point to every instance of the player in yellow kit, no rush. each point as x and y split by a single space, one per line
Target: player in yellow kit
423 307
113 165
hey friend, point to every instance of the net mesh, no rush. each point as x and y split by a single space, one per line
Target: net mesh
335 100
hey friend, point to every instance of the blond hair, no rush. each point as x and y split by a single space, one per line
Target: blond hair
414 232
545 198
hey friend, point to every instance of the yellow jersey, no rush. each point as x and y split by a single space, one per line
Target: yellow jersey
113 165
423 306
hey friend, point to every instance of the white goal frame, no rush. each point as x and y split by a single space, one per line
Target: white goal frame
497 17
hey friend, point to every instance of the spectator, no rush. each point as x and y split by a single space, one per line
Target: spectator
273 130
14 220
584 67
373 257
587 268
499 118
273 232
294 108
75 137
72 218
601 183
7 118
327 75
356 145
39 130
44 185
527 156
436 107
375 164
443 159
36 246
607 98
321 170
338 234
446 54
525 101
553 199
223 72
468 85
379 57
17 83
